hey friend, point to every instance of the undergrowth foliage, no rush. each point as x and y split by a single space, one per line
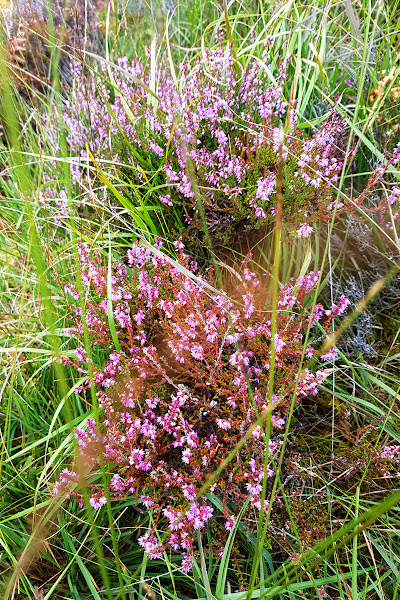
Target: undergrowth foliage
218 430
210 123
190 378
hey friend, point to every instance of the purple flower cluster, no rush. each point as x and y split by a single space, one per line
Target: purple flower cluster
391 452
189 380
211 125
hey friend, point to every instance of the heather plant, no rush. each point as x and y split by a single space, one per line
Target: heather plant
214 133
186 375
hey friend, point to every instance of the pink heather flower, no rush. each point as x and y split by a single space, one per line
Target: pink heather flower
206 513
152 402
395 193
156 148
272 446
396 154
259 212
257 432
174 541
277 421
247 274
72 291
195 517
66 476
151 546
234 359
117 483
97 502
197 351
390 452
189 492
317 314
166 199
330 206
308 383
286 299
232 338
115 358
221 137
330 355
186 542
191 439
248 300
210 94
307 282
139 317
224 424
178 244
80 354
186 454
266 186
230 523
254 488
279 344
187 563
147 501
57 488
148 430
304 231
340 306
174 518
136 456
239 358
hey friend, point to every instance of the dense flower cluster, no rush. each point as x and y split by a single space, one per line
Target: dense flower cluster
189 379
212 125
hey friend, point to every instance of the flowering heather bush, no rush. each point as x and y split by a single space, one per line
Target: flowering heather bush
190 378
226 125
